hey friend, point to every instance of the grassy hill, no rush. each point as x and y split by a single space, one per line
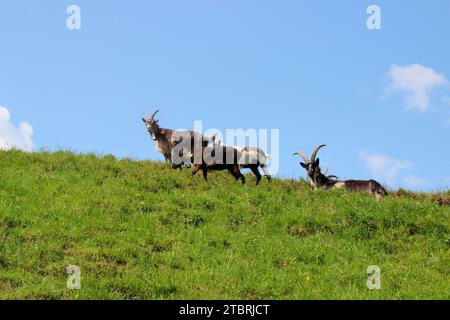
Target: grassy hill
138 229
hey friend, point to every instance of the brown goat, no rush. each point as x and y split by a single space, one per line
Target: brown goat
215 159
251 158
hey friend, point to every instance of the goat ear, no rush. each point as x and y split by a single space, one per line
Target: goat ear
317 161
303 165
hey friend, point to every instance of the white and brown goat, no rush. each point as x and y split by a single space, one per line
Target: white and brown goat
167 140
320 180
251 158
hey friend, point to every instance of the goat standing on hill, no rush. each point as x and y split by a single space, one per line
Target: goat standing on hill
215 159
167 139
251 158
319 180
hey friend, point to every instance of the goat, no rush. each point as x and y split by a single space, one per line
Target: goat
217 158
251 158
319 180
168 139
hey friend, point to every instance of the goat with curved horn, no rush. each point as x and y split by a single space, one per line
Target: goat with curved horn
175 146
314 154
311 165
154 114
320 180
301 155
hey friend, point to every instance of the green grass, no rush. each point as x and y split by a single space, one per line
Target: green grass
140 230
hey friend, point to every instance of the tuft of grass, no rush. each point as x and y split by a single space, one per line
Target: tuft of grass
140 230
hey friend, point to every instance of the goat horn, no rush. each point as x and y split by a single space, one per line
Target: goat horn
302 155
314 154
153 114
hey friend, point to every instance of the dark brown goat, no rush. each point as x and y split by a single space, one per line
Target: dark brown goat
319 180
251 158
215 159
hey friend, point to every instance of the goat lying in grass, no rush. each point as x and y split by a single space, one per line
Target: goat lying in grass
319 180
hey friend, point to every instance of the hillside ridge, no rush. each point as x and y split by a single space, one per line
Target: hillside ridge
140 230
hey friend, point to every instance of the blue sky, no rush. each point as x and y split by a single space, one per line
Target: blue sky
379 99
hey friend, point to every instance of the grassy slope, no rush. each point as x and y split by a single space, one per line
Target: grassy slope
142 230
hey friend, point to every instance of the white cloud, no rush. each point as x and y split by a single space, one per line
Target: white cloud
12 137
417 82
383 167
